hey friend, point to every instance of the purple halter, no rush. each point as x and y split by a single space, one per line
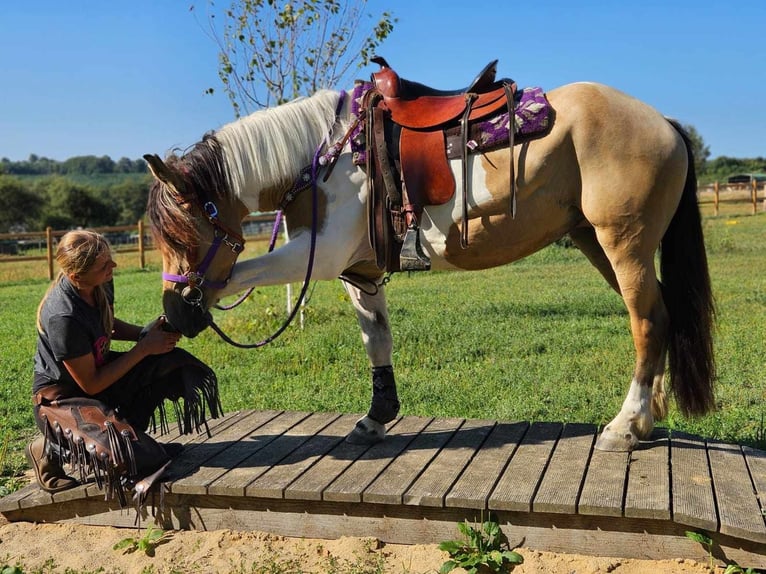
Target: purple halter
195 277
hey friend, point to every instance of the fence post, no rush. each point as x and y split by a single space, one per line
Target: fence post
715 198
141 258
754 195
49 251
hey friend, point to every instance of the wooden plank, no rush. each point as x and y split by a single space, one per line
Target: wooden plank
12 501
738 508
348 487
693 500
564 476
277 443
648 494
389 487
517 485
312 483
273 482
604 487
213 425
756 462
474 486
430 489
195 470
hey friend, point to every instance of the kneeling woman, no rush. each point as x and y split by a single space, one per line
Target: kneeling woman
94 405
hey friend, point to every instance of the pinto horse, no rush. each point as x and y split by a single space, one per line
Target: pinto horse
612 173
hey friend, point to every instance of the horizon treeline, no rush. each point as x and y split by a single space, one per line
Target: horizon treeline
77 165
93 191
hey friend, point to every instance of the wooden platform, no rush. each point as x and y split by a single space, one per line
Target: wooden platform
292 473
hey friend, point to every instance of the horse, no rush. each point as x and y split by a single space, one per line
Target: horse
612 173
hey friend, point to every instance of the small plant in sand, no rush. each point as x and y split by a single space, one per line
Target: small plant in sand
708 543
482 550
147 543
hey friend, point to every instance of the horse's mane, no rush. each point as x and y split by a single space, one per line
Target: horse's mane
269 148
263 150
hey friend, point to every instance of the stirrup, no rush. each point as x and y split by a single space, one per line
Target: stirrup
411 257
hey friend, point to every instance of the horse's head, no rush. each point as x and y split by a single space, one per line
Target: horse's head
197 227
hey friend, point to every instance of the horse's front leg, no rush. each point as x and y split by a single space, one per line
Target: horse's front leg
372 313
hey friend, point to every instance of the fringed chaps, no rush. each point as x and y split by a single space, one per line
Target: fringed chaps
104 436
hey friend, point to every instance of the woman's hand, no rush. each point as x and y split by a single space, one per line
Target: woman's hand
156 340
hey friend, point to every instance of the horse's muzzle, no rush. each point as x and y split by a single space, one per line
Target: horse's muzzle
188 319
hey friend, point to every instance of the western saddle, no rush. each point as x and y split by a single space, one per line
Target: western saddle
406 131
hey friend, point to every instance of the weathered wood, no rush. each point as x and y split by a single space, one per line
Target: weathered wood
517 485
474 486
193 471
738 509
389 487
312 483
348 487
294 475
564 476
430 489
273 442
756 462
648 494
604 487
273 482
693 501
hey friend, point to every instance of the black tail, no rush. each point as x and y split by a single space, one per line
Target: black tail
689 300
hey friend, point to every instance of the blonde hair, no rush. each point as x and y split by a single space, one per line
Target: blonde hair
76 253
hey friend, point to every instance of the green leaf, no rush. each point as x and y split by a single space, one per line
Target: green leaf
451 546
699 537
448 566
125 543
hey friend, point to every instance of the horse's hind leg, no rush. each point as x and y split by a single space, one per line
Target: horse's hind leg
586 241
372 313
636 276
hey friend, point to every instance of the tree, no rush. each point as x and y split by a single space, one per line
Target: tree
70 204
700 150
128 200
20 205
272 52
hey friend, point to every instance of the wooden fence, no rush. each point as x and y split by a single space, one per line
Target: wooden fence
133 238
719 193
14 247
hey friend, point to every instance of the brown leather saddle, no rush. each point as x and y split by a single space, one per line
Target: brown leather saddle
408 165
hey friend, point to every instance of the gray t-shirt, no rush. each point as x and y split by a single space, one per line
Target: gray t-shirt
71 329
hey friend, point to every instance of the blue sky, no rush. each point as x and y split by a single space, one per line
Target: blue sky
124 78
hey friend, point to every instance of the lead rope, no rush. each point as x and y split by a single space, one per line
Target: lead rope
312 252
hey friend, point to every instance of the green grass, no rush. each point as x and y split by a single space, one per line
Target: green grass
542 339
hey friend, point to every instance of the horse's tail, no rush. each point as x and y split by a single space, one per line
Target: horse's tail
689 300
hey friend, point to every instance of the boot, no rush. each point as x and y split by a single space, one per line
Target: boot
385 402
49 473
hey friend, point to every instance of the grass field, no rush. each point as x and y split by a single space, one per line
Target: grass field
542 339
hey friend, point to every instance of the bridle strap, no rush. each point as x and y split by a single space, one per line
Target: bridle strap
195 277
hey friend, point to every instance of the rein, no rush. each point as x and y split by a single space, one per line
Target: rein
318 160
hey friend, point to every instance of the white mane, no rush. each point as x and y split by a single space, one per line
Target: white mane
269 147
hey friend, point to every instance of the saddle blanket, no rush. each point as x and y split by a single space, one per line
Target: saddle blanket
531 119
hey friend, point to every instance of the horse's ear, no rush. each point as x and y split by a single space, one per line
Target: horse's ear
163 173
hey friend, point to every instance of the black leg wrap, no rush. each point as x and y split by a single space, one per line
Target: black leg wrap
385 402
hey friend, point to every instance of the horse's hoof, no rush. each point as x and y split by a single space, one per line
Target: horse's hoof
366 432
614 441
